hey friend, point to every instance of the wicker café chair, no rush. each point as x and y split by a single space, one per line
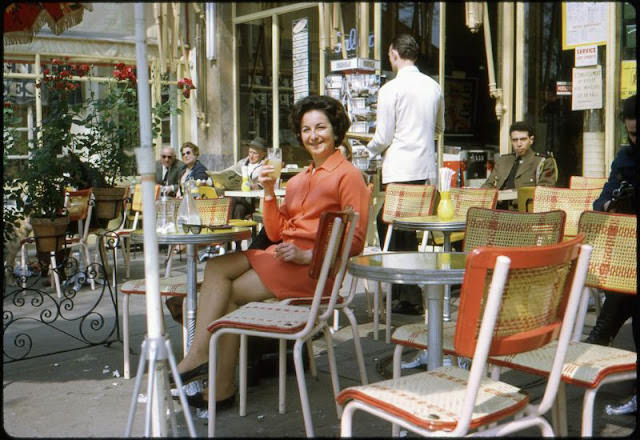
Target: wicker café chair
572 201
400 200
79 206
212 212
485 227
289 322
497 315
613 266
463 199
169 287
581 182
133 213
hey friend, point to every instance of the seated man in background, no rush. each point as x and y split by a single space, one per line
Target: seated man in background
168 170
523 167
242 207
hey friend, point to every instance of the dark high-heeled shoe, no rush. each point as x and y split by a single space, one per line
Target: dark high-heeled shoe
198 401
197 373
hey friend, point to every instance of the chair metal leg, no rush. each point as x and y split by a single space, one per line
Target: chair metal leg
387 320
333 370
376 310
282 376
357 345
125 336
242 368
397 369
302 388
312 360
53 270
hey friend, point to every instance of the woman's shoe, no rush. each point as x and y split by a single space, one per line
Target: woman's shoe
198 401
197 373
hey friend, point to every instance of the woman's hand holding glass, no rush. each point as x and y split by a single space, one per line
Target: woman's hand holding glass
267 181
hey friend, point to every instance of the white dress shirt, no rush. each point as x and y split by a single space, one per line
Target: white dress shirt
410 113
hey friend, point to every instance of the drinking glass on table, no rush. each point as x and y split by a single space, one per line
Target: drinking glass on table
274 158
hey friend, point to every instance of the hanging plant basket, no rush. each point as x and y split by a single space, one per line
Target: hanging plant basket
50 237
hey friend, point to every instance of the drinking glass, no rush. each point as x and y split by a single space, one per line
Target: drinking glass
274 158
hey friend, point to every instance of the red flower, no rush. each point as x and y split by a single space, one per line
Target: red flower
45 71
120 66
7 104
186 93
84 67
55 61
72 87
117 73
65 73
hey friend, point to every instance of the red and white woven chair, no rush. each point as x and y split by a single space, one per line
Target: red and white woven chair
613 266
400 201
581 182
572 201
463 199
290 322
172 286
485 227
497 315
79 206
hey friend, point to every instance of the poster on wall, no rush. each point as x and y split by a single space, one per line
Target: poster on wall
300 53
584 23
628 79
587 88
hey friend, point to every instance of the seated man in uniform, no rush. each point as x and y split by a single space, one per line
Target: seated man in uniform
523 167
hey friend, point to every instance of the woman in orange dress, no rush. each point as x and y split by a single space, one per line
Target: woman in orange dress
282 270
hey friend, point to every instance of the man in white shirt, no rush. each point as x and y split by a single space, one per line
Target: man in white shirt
410 114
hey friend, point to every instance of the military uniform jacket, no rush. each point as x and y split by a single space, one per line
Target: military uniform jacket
535 169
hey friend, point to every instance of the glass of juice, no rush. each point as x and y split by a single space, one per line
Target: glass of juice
274 158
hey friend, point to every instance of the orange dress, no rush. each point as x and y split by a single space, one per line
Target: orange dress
332 187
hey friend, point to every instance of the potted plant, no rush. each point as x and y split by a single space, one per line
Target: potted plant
111 133
38 191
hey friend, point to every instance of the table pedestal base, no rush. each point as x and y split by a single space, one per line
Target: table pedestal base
433 295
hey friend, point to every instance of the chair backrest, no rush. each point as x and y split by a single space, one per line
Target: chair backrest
614 260
572 201
525 198
581 182
136 203
207 192
533 302
214 211
465 198
330 256
491 227
404 200
77 203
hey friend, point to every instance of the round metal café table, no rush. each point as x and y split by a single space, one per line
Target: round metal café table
206 236
434 223
430 270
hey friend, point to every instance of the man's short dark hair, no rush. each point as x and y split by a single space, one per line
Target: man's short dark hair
406 46
521 126
331 107
629 108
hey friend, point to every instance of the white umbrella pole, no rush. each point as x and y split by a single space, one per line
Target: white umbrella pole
155 348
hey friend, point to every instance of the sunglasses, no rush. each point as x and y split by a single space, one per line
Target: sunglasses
167 157
191 228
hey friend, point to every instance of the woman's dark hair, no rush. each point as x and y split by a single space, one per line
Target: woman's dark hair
331 107
406 46
194 148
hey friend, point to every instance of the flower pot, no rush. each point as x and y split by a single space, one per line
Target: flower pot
50 236
108 205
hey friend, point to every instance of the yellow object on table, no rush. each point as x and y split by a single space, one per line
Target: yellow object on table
445 207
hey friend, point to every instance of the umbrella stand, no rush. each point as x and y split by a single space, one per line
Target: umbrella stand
156 347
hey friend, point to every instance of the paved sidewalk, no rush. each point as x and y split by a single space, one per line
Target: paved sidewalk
78 393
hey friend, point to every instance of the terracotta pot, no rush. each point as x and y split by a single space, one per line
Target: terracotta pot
108 205
49 234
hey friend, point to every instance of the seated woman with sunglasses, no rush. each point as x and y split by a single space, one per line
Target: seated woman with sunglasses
193 167
282 270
